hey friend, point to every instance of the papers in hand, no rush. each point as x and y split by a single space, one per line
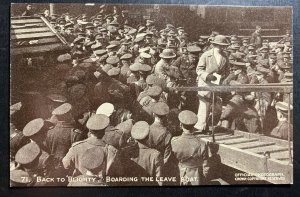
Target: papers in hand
217 81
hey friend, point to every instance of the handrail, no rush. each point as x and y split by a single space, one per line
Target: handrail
271 87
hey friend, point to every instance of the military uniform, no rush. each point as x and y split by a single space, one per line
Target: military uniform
283 127
281 130
191 153
71 161
61 137
149 159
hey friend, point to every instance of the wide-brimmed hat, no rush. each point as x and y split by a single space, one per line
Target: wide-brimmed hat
167 53
220 40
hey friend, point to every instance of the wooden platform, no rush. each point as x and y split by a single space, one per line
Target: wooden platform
254 154
34 36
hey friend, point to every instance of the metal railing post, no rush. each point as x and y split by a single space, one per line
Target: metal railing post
212 117
289 129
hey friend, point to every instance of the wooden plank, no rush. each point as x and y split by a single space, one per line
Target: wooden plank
27 30
228 137
281 167
26 21
280 155
239 141
253 145
271 149
28 25
38 49
40 41
62 39
32 35
209 136
263 138
242 160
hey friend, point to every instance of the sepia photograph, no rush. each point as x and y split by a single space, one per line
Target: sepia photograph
106 95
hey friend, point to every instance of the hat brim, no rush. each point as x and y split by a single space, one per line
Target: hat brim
167 57
220 43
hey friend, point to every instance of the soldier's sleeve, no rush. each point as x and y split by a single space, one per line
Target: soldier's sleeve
201 66
260 68
69 160
76 135
229 78
168 148
177 62
158 166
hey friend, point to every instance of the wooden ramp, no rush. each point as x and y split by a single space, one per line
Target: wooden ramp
34 36
254 154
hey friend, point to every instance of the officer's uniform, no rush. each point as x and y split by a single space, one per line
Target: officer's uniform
159 136
63 135
149 159
250 118
37 162
190 152
71 160
93 160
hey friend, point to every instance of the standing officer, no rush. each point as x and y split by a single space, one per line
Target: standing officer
187 69
64 134
31 159
97 125
93 160
149 159
159 136
191 153
187 65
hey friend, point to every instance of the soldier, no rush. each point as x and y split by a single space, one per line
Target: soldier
244 48
239 74
106 87
256 37
191 153
125 71
55 100
263 103
93 160
187 65
28 11
60 138
68 34
149 159
36 130
32 159
282 128
163 65
113 60
250 118
212 61
17 140
159 136
97 125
